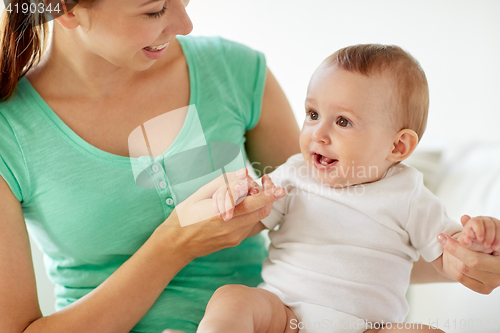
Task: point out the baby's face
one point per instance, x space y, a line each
349 128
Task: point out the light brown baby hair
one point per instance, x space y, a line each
411 97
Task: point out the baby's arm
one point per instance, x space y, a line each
480 234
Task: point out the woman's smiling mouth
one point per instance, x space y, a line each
156 48
155 52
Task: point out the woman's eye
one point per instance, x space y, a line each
157 14
313 115
342 122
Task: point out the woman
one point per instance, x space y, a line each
116 252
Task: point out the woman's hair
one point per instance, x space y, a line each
23 41
411 98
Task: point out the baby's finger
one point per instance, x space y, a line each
267 183
478 227
468 232
229 206
464 219
221 198
242 173
464 240
496 243
241 192
214 203
253 187
240 187
471 234
490 231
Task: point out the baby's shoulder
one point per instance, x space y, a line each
402 175
397 186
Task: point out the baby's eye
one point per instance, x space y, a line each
343 122
313 115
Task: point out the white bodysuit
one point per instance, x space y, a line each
341 257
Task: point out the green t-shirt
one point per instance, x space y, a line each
87 214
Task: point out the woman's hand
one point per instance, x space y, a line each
213 234
477 271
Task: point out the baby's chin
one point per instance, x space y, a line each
332 181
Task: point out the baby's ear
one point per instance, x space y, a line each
403 145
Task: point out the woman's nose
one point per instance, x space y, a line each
179 22
321 134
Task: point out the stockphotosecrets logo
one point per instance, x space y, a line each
179 163
37 12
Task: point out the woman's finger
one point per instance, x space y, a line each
484 268
482 282
475 260
463 276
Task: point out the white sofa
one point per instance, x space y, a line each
466 176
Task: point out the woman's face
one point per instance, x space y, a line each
131 33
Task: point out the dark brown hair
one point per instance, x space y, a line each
411 101
23 41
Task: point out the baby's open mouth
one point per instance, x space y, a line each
323 162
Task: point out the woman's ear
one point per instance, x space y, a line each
68 20
404 143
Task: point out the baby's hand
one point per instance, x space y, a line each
229 194
227 197
480 234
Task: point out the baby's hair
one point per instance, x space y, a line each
411 98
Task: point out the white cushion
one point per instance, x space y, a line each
467 179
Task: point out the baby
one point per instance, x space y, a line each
354 219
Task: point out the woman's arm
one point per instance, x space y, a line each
276 136
125 297
115 306
477 271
